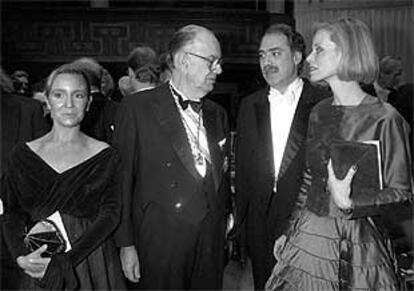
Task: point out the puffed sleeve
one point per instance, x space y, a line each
397 175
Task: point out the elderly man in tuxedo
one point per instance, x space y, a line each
271 131
173 143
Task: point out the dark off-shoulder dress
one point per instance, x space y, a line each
89 199
329 249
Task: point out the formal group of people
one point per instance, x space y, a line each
152 203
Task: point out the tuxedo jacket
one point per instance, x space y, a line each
255 201
99 120
157 162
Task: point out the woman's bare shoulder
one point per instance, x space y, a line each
96 146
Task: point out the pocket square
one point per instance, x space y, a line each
222 143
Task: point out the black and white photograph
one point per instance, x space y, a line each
207 145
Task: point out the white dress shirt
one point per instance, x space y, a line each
196 133
282 110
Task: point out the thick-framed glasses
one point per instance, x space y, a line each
212 64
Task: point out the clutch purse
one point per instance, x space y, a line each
45 232
367 181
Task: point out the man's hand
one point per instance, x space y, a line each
130 263
33 264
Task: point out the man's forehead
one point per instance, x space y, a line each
273 41
209 45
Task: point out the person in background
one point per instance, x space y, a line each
337 241
270 147
165 70
39 95
21 83
21 120
390 71
143 71
385 87
174 148
68 172
99 120
107 84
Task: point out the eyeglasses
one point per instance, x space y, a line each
212 64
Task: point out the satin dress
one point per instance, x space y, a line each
88 197
331 249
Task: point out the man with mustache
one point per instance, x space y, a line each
271 131
174 143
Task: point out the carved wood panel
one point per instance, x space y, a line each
50 34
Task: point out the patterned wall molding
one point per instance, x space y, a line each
53 35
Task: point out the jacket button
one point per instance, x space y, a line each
168 164
173 185
178 205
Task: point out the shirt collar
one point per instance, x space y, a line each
292 92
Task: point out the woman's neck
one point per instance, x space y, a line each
64 135
347 93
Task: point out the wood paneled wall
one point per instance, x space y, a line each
40 38
391 22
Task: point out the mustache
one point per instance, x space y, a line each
270 69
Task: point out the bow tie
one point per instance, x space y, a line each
195 105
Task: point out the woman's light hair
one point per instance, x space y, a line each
66 69
359 60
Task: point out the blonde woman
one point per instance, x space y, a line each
336 242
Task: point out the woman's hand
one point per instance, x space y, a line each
33 264
340 189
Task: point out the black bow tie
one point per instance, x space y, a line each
196 105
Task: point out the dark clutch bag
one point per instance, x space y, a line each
45 232
367 181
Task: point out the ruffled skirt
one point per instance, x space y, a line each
326 253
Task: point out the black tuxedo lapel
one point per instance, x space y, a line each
170 121
265 147
210 124
298 130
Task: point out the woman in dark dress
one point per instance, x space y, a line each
76 175
336 242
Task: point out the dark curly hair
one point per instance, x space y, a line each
295 40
